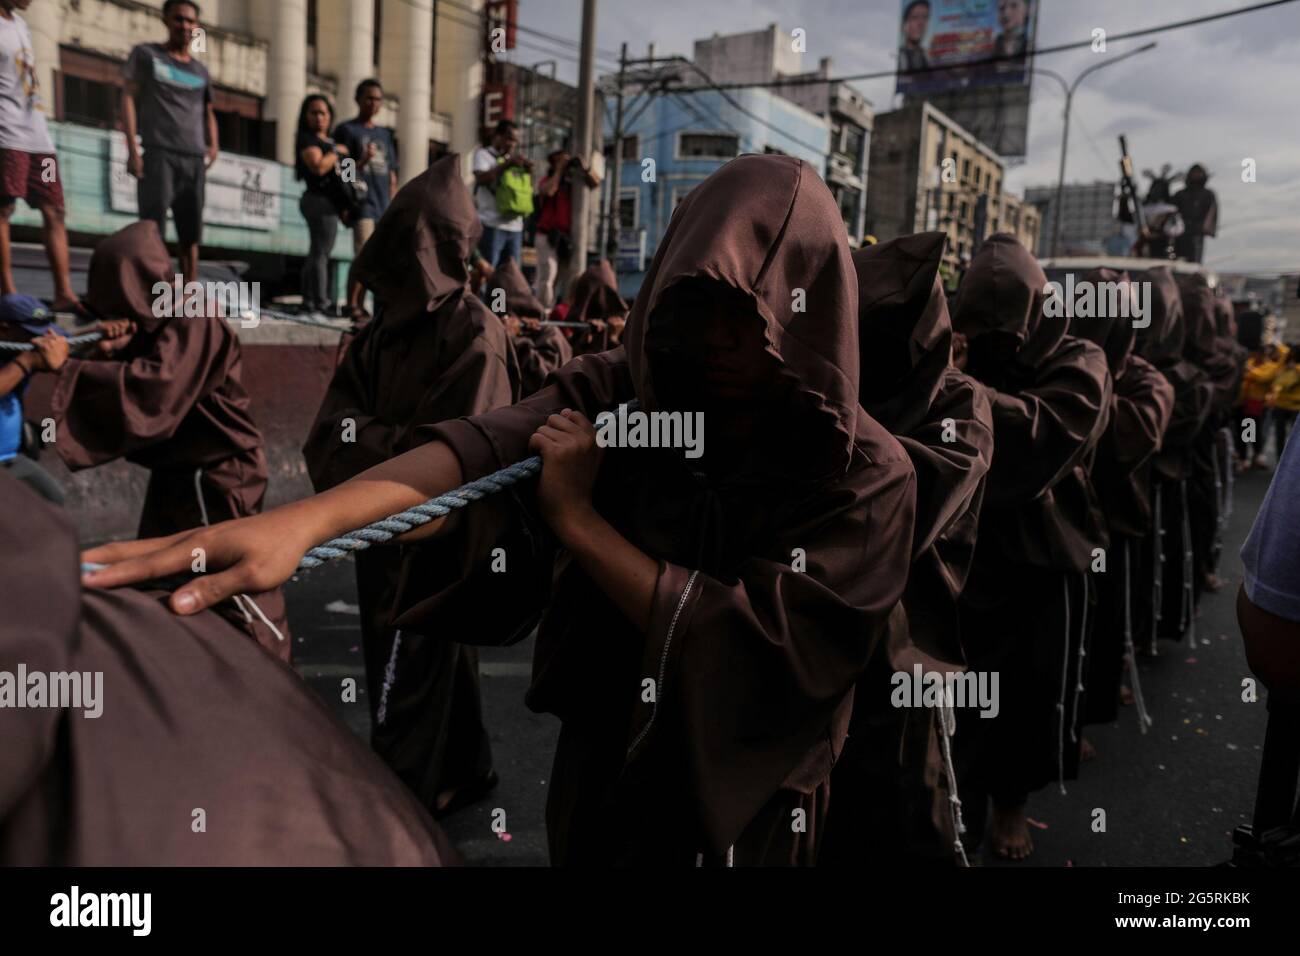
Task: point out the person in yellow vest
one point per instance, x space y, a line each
1284 398
1262 368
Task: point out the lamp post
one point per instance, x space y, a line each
1065 131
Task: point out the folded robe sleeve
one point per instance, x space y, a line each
1044 430
106 409
1143 406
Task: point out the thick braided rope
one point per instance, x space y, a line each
388 528
73 341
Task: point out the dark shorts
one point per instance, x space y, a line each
24 176
173 181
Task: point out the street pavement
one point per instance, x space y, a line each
1171 796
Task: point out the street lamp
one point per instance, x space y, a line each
1065 132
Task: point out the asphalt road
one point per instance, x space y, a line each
1171 796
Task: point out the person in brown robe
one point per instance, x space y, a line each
1141 407
893 793
197 749
705 618
1024 608
539 349
593 297
1166 556
1205 504
432 352
170 400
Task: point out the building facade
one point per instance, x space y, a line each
264 58
769 55
930 174
1087 221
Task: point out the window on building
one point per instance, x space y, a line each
853 139
977 175
965 209
631 148
379 31
708 145
627 208
312 45
965 169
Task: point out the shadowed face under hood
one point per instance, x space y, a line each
124 269
1115 334
1161 342
905 335
1000 311
767 231
1198 317
594 295
519 298
416 256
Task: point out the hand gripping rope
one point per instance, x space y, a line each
73 341
86 338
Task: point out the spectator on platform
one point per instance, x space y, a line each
316 157
502 233
555 219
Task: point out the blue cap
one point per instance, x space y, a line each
28 313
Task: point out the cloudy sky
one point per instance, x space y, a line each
1214 94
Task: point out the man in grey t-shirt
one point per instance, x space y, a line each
168 100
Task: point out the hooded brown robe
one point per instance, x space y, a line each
891 796
1141 407
594 295
205 752
1166 557
717 728
170 401
1025 604
1204 349
432 352
539 351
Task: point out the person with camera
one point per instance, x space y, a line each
503 222
555 220
317 159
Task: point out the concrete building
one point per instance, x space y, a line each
1087 221
1021 218
264 57
928 173
767 55
679 140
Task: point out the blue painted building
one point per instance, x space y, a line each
681 138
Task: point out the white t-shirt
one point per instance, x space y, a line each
22 124
485 198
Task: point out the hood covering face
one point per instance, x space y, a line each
594 294
1161 343
904 333
418 251
1198 317
781 250
1115 334
124 269
519 298
1001 302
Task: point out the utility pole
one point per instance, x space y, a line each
582 138
609 223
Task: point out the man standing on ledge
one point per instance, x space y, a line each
168 99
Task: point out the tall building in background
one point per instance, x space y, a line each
767 56
1087 221
930 174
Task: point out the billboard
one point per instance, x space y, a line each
972 60
941 44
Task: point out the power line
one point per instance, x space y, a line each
1039 51
554 38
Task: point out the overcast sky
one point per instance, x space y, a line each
1213 94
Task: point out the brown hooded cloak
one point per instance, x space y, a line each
433 352
1141 407
707 732
539 351
594 295
1023 610
196 726
171 401
1166 559
889 802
